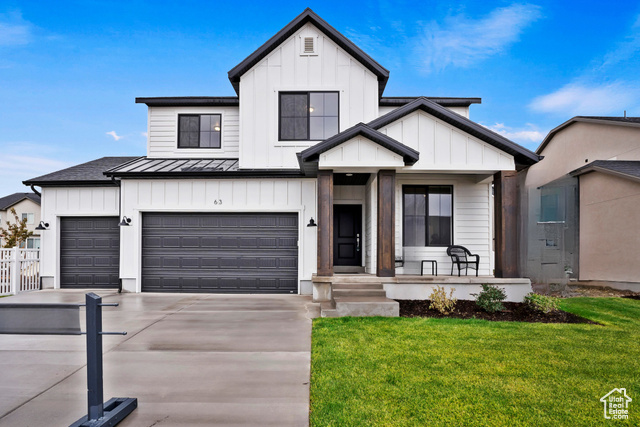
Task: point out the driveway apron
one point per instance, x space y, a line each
190 359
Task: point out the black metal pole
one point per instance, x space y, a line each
94 356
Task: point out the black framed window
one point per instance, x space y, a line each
427 215
199 130
308 115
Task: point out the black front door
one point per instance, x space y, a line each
347 235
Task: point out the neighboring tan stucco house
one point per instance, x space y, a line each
27 206
230 189
583 202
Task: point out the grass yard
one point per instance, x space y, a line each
451 372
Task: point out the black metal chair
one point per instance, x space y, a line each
460 257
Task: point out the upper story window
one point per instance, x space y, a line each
427 215
199 130
308 116
29 217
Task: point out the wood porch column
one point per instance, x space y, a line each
386 223
325 223
506 223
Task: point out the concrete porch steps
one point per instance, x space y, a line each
353 296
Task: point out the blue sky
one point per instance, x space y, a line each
70 70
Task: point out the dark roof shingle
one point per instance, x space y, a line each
10 200
625 168
90 173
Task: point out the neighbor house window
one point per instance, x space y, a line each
427 215
199 130
29 217
552 206
308 116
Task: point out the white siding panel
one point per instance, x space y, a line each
71 201
359 152
163 133
331 69
248 195
445 147
471 222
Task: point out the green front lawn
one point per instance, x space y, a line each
451 372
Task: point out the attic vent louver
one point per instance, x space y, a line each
308 45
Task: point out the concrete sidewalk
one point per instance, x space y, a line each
190 359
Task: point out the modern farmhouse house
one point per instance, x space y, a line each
308 172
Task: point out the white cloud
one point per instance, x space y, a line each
524 136
461 41
115 136
144 134
608 86
577 99
14 30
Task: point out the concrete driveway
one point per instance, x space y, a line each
190 359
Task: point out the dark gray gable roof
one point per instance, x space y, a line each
144 168
305 17
190 101
409 155
629 169
621 121
522 155
399 101
89 174
7 201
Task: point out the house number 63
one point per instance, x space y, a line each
217 202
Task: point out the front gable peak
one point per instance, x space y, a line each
309 16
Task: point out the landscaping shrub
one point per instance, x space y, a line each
490 298
542 303
440 301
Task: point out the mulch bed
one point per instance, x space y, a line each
632 297
513 312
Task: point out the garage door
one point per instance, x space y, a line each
225 253
89 252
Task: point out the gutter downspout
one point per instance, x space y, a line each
35 191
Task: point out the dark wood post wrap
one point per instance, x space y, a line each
386 223
506 223
325 223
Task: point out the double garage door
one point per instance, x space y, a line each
226 253
187 252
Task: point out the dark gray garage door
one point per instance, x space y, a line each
89 252
225 253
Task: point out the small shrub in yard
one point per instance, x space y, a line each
490 298
440 301
542 303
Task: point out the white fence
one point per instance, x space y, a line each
19 270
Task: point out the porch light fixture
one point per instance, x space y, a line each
216 128
125 222
43 226
312 223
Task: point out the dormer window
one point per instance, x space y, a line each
308 116
199 130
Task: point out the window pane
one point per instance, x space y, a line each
300 128
205 123
331 104
293 105
316 128
215 139
316 104
440 213
330 126
205 139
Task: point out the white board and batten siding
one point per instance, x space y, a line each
472 223
287 69
162 137
444 147
359 152
69 201
216 196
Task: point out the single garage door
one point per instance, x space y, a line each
89 252
220 253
